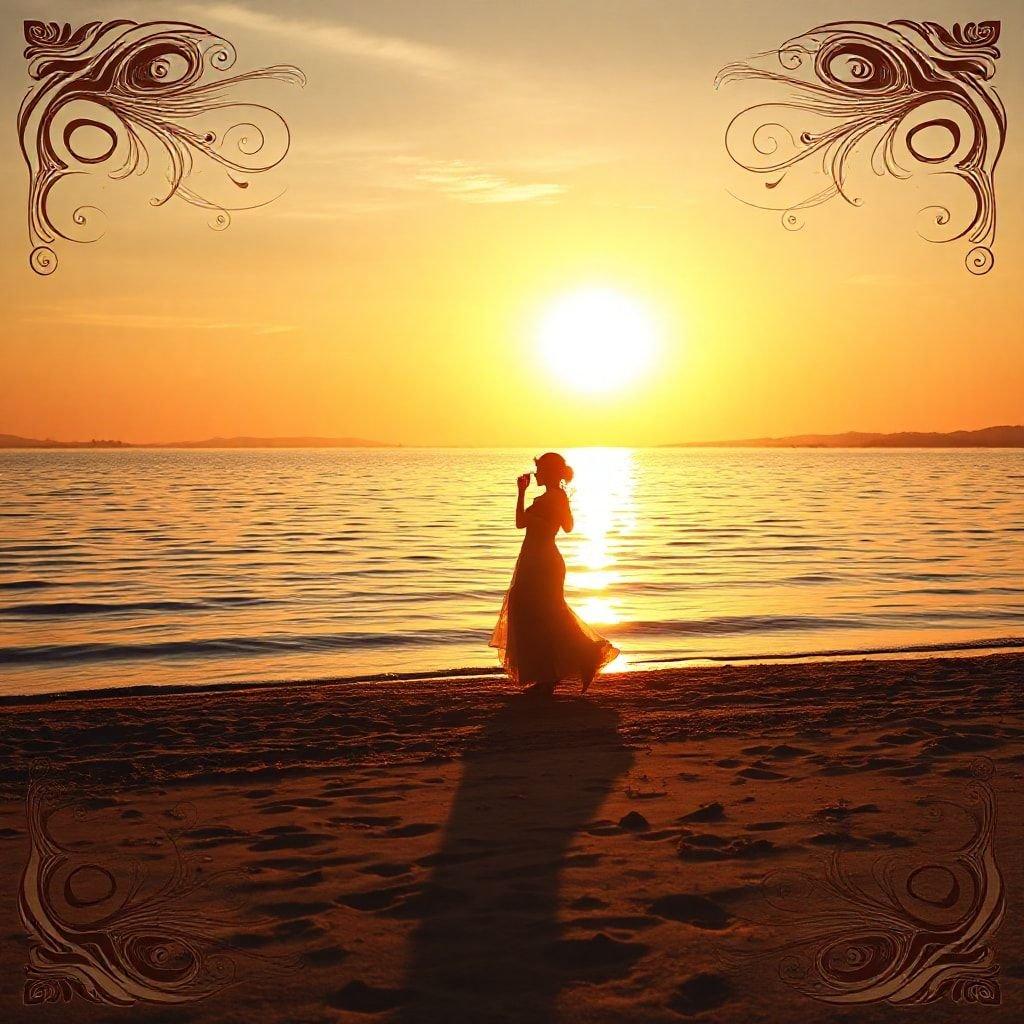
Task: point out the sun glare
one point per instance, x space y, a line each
597 339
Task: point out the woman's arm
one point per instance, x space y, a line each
522 483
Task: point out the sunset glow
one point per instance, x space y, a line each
508 224
597 339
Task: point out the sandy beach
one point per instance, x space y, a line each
446 849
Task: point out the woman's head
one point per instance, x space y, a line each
552 470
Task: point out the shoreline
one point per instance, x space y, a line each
963 649
193 734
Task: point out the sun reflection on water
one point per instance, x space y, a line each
604 511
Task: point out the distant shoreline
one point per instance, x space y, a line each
12 441
987 437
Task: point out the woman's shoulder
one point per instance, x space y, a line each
551 504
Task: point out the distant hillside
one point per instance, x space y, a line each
987 437
13 441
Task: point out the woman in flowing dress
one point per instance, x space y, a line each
542 640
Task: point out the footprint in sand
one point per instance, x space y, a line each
960 743
634 821
358 997
759 772
411 831
300 928
365 820
598 954
706 812
285 806
305 881
374 899
711 847
847 840
700 993
386 869
898 739
689 908
841 811
325 956
588 903
780 752
292 909
839 839
211 836
288 837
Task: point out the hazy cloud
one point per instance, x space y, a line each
336 36
474 185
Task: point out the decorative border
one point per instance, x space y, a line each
860 86
141 89
102 930
921 932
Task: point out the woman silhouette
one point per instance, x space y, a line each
541 639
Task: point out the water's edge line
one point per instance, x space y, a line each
967 648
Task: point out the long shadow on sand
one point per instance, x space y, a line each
488 946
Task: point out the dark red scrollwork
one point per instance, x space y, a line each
864 87
142 89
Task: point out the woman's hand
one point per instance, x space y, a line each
522 482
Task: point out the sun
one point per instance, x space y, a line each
597 339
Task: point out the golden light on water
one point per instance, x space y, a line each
604 511
597 339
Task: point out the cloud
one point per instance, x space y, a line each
473 185
376 177
347 40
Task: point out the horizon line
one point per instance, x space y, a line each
807 439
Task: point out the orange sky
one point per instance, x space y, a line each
455 169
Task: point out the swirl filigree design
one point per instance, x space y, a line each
100 929
904 97
111 95
921 932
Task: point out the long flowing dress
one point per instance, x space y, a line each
541 639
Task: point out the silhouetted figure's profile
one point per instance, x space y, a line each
541 639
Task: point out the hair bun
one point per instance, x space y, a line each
567 474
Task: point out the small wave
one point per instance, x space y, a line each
234 646
747 624
73 608
994 644
725 624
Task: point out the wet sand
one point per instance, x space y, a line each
447 849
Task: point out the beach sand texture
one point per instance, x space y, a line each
448 850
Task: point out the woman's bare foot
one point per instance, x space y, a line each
541 689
